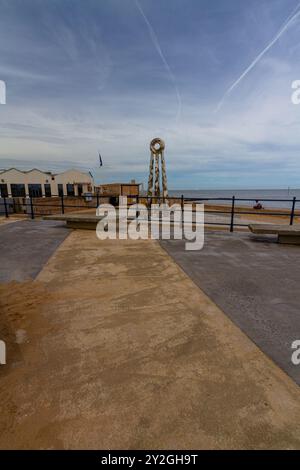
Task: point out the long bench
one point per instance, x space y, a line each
288 234
78 221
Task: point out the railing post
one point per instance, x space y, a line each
62 204
293 211
149 205
97 200
182 206
137 201
31 208
5 206
232 214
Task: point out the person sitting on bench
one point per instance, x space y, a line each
257 205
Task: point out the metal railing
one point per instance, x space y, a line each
234 211
230 210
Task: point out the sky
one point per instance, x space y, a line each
213 78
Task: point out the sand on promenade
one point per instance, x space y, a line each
113 346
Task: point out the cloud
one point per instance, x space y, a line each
286 25
90 81
156 44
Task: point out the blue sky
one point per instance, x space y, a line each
83 75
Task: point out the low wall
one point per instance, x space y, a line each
53 205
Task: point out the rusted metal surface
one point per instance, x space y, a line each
157 160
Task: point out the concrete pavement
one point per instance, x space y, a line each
113 346
255 281
25 247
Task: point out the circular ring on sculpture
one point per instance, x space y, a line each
154 143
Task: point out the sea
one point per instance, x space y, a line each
283 198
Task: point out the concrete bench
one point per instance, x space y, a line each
89 222
78 221
288 234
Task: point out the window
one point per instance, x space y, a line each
47 190
79 189
18 190
35 190
60 190
3 190
70 189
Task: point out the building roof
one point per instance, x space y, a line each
120 184
49 173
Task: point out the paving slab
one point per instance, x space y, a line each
255 281
26 246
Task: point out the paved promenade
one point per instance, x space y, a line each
255 281
25 246
114 346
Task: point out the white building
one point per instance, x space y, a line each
36 183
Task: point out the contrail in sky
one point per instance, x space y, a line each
160 53
291 18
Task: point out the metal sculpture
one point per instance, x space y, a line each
157 147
